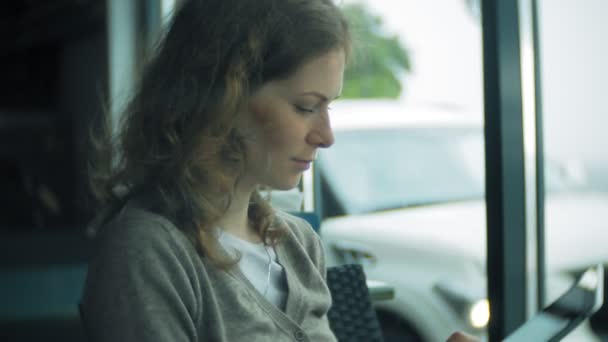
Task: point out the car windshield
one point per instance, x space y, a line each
379 169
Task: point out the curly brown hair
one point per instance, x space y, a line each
177 141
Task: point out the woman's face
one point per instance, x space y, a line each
287 121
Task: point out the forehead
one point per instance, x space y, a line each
322 74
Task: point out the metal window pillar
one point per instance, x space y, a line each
513 239
540 157
122 52
133 28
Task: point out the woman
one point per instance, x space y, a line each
235 99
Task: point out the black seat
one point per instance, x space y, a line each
352 317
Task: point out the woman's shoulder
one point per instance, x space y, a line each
137 229
141 263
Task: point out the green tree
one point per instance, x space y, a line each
378 59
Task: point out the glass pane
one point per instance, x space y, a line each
574 72
403 187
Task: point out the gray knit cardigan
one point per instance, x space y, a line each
147 283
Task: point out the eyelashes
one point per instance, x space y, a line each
304 109
307 110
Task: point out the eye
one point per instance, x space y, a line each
303 109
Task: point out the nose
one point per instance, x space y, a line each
321 134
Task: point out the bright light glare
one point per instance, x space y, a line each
590 280
167 9
479 315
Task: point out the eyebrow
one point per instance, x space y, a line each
319 95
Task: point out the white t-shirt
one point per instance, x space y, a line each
259 264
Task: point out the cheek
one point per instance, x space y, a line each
270 124
262 114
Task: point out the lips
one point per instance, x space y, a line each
303 164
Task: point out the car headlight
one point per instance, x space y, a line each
473 307
479 314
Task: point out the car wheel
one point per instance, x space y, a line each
395 329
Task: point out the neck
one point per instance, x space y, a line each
236 221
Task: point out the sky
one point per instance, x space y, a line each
444 45
444 41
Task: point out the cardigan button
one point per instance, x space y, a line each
299 335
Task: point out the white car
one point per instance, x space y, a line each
403 194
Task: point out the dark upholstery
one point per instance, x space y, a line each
352 317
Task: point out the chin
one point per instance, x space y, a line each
286 184
285 187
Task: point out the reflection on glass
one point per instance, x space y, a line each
411 55
574 116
